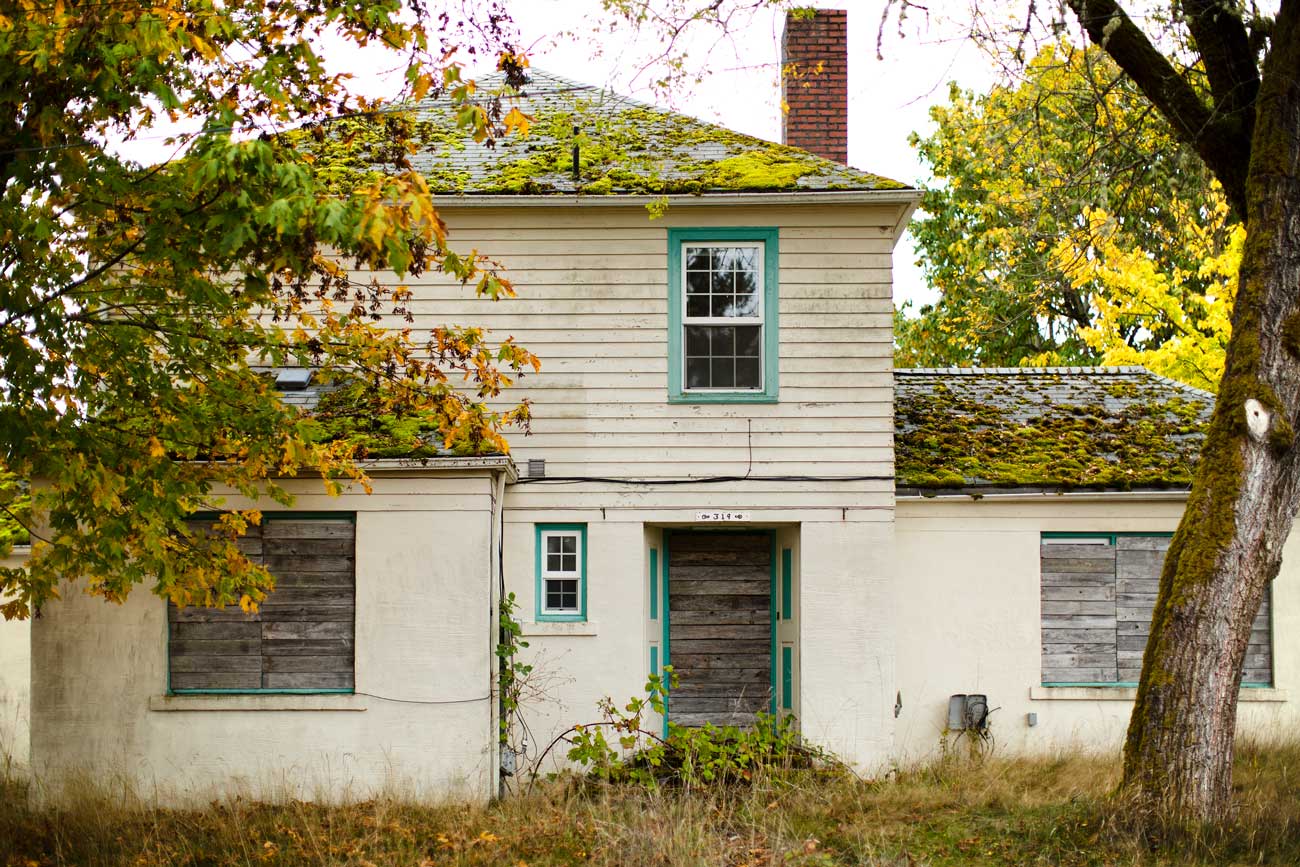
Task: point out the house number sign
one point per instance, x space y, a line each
712 517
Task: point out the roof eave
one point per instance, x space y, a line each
1173 493
907 196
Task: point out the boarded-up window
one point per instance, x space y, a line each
1098 593
301 637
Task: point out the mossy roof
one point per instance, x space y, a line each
956 429
624 147
345 413
1060 428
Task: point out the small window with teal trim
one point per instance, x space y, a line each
722 307
561 572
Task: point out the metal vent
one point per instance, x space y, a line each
537 468
292 378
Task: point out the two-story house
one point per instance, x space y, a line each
710 483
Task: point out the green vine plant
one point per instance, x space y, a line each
512 672
619 748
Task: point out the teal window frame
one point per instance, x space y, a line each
1113 539
542 615
351 517
769 237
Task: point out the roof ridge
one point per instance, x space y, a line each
573 84
607 95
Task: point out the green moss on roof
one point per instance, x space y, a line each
623 147
1090 430
351 414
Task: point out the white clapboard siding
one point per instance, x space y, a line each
592 303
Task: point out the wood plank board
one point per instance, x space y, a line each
301 637
719 617
1095 623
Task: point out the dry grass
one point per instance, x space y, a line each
1004 811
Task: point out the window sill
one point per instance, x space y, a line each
1129 693
254 702
724 397
561 627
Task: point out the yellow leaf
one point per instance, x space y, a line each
517 120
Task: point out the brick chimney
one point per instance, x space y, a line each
815 83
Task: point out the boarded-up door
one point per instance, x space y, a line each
720 626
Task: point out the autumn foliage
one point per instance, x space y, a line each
141 306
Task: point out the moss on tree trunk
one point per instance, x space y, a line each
1178 754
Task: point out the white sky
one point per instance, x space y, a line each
888 99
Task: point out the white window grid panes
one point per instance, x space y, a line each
722 316
561 572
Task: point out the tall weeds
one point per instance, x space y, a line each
1021 811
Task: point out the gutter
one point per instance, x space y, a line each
496 463
496 592
1170 496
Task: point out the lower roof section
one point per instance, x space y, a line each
977 430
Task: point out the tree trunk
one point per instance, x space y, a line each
1178 755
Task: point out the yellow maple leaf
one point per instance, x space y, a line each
517 120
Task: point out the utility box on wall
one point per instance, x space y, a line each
968 712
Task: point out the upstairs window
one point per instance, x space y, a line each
722 315
561 572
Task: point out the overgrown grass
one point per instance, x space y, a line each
1004 811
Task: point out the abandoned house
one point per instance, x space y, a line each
725 474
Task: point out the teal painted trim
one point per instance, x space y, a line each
332 691
787 677
771 608
770 238
665 639
581 614
1132 684
654 659
654 584
1062 534
787 582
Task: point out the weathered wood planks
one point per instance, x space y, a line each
720 627
301 637
1096 604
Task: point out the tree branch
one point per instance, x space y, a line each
1217 139
1224 45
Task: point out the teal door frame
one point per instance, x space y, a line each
665 607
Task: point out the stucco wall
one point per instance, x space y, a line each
968 621
846 629
424 627
15 685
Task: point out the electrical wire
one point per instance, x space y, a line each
423 701
692 480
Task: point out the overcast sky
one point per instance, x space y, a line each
888 98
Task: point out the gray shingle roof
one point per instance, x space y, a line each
1058 427
625 146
